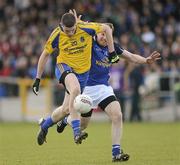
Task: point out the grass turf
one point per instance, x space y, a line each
147 144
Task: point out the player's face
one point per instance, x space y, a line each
69 31
101 39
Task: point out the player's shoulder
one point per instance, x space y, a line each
55 31
83 24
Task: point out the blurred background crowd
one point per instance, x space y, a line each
141 26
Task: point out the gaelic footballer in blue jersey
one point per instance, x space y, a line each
74 42
101 92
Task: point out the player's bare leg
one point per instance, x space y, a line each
113 110
73 87
84 122
59 115
62 111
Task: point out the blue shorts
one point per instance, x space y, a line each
82 78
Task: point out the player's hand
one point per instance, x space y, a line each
113 57
153 57
78 18
35 87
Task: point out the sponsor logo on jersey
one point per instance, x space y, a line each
82 39
104 63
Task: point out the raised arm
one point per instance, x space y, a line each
113 57
139 59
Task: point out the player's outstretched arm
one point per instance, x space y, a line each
139 59
40 68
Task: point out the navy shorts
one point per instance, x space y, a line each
82 78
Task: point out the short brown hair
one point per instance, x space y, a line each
68 20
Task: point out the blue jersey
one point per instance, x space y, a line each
100 65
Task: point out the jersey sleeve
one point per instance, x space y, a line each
119 50
91 28
53 41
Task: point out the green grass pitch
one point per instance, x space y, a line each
147 144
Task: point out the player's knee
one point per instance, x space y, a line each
117 116
75 91
65 110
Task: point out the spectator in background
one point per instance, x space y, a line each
22 25
22 22
32 68
21 67
136 79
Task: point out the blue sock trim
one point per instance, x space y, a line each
76 127
48 123
115 149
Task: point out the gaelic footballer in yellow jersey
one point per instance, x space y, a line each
74 42
75 51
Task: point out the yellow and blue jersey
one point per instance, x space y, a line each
75 51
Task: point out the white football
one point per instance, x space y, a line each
82 103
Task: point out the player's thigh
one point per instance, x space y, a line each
72 83
113 110
67 77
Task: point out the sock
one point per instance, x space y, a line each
48 123
115 149
65 120
76 127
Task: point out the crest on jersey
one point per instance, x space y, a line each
82 39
